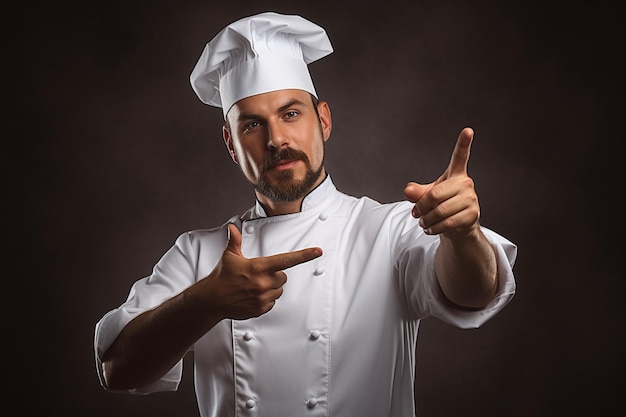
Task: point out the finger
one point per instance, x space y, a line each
457 225
234 240
414 191
418 194
461 152
446 208
286 260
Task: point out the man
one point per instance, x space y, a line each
309 303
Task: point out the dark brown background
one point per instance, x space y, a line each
110 156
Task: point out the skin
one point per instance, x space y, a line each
465 262
261 125
241 288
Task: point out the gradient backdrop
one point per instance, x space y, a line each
110 156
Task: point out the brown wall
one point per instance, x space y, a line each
111 156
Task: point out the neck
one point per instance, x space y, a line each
273 208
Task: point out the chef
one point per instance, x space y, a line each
309 303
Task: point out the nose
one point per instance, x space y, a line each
277 137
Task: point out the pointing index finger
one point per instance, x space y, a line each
288 259
461 152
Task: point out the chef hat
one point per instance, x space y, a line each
258 54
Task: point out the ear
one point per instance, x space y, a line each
228 140
325 119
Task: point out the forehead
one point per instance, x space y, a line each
268 102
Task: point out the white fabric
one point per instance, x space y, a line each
341 340
258 54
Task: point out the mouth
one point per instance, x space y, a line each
284 164
283 160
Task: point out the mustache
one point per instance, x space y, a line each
286 154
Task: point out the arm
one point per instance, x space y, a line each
465 262
237 288
467 270
155 341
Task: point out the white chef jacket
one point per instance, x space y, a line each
340 341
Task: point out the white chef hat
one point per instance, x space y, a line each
258 54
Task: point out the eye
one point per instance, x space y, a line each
250 126
291 114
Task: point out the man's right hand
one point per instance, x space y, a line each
241 288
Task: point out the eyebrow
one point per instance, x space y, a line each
290 103
249 116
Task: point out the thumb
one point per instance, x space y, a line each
414 191
234 240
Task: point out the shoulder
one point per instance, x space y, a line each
376 218
214 237
372 208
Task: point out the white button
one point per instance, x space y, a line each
323 216
315 334
247 336
311 403
250 228
250 403
318 271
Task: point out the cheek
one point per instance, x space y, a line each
249 162
317 153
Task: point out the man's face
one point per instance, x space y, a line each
278 139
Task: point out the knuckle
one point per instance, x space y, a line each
468 182
285 262
263 285
440 209
448 223
257 267
281 277
436 193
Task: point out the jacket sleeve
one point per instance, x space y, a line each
417 281
192 257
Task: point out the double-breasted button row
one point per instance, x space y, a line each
310 403
313 335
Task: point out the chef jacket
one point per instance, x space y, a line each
340 341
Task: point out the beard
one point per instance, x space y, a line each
287 189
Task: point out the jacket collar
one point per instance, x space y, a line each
315 197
